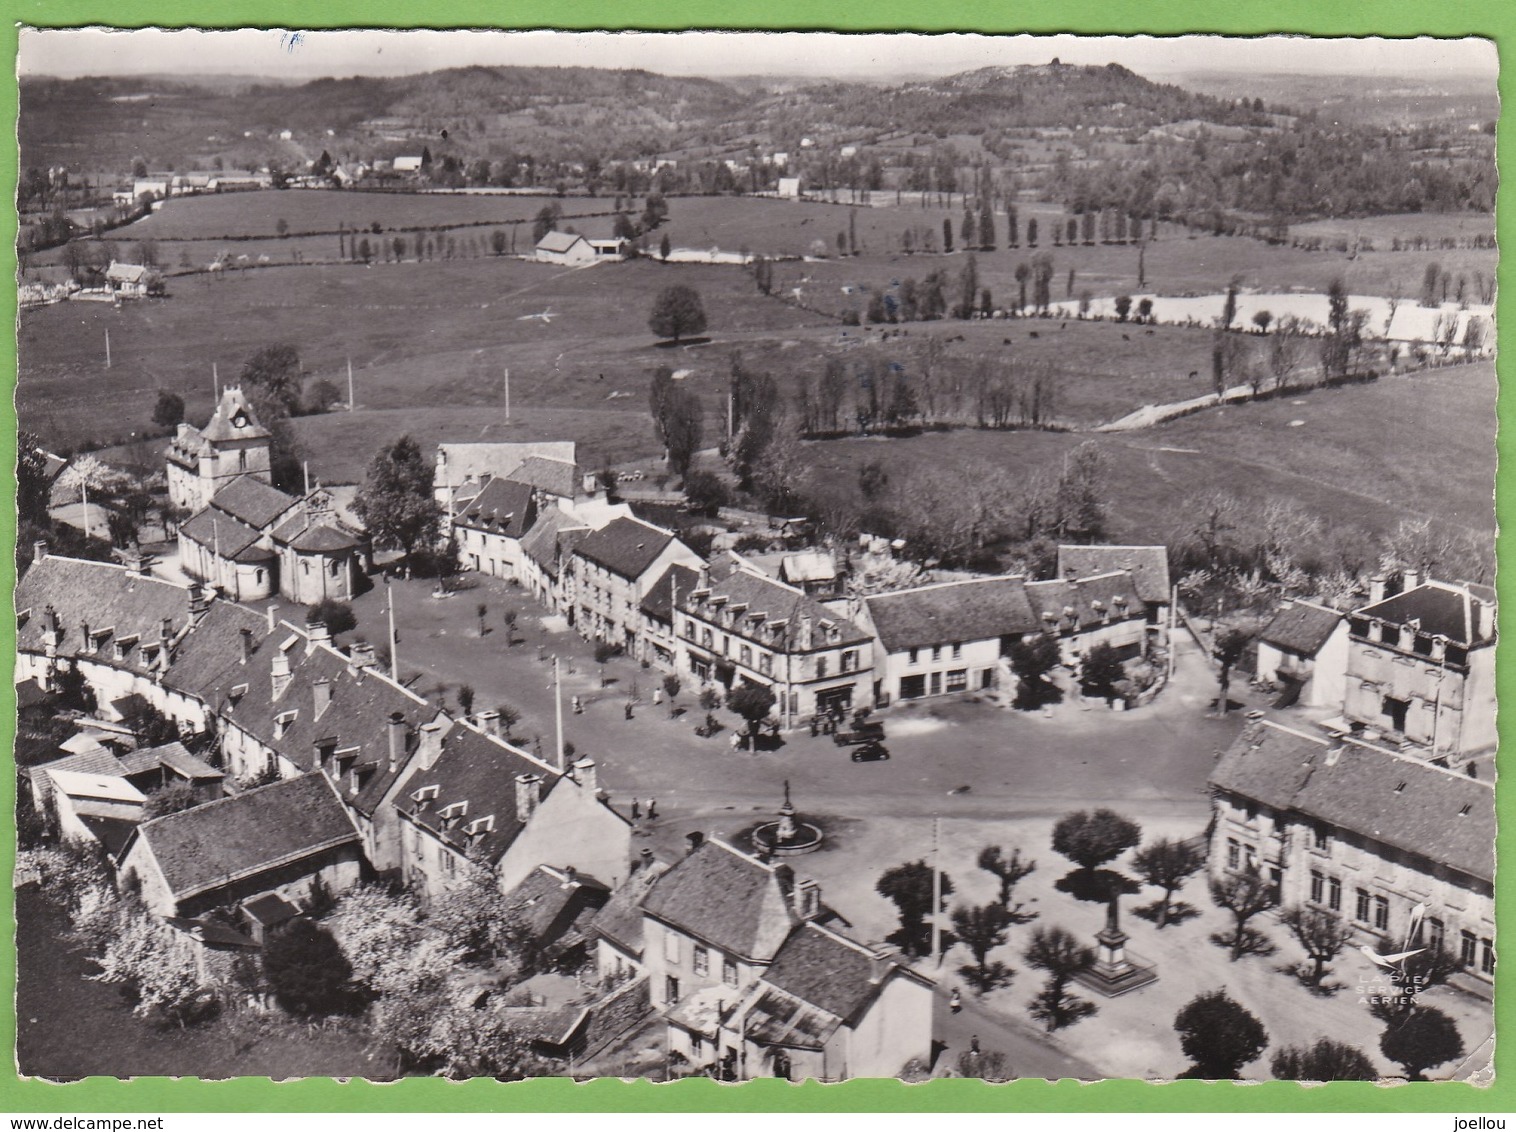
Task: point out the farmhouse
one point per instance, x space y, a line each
128 280
755 977
1421 667
1082 613
409 163
462 468
749 629
613 249
567 248
483 801
283 838
1348 827
789 188
613 569
546 552
1305 650
1148 565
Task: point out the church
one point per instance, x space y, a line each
246 538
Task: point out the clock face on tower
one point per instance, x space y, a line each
239 420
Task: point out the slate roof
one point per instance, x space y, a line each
1114 591
826 970
728 899
1442 608
780 1019
501 506
96 762
126 272
975 610
477 460
209 659
222 534
621 920
558 241
658 602
776 602
1396 800
626 547
553 908
175 757
556 477
252 501
220 426
479 770
104 595
357 715
542 542
299 533
1148 565
1301 627
220 842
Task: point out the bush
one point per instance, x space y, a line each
336 615
307 971
705 493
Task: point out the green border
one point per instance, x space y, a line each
1495 19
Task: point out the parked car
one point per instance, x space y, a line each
861 733
872 751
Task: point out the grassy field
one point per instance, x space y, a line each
1346 462
1383 229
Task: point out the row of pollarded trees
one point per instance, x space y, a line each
1217 1034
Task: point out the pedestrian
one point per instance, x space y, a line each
628 711
955 1002
736 740
636 810
814 728
652 809
974 1046
578 706
657 696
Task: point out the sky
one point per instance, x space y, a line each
315 54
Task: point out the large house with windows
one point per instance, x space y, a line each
756 975
613 569
748 628
1367 833
1421 667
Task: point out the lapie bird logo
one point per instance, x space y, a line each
1394 965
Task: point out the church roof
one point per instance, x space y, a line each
256 503
234 419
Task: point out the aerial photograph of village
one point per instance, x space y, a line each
744 556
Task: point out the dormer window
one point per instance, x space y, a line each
283 722
452 812
424 797
237 692
479 827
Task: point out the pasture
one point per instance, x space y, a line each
1347 461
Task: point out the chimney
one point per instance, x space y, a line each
279 669
646 857
316 634
1287 603
695 839
586 776
137 562
39 550
570 875
1376 589
1485 611
322 690
1336 743
396 733
199 599
806 900
182 430
806 638
429 748
247 645
705 577
86 642
1253 729
1410 580
273 618
360 655
489 722
528 794
51 626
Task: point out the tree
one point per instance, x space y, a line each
752 702
873 480
1228 650
1423 1038
1009 871
1093 839
169 410
498 241
1057 952
307 971
336 615
909 888
545 221
1167 864
1023 273
1031 232
477 919
321 396
664 248
1219 1036
1325 1061
1101 672
275 371
140 954
682 428
169 800
466 699
1123 307
604 651
1322 934
396 502
947 234
1229 308
1261 319
1244 895
982 928
677 313
704 492
1031 661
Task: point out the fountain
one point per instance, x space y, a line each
787 837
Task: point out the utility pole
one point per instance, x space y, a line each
507 393
215 387
107 348
350 385
936 890
558 709
389 592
